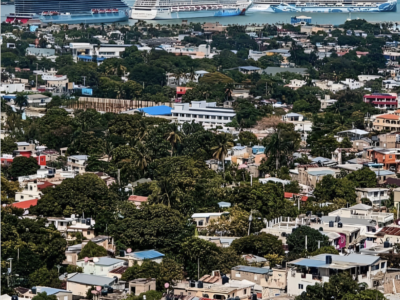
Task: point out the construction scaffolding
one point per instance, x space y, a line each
112 105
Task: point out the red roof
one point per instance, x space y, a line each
290 196
25 204
44 185
380 97
137 198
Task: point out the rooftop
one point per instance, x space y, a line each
252 269
146 254
208 215
338 261
137 198
388 117
94 280
25 204
50 291
161 110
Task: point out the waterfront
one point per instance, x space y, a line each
267 17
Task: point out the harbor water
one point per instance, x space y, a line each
258 17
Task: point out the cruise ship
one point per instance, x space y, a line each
69 11
182 9
324 6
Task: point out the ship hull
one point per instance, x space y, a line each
89 18
167 14
389 6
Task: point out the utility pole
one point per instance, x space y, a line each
306 243
250 219
84 80
119 177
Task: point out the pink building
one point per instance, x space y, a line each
382 101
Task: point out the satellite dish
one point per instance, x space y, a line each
98 288
129 250
166 285
86 259
95 259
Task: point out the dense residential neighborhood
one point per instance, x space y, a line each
200 161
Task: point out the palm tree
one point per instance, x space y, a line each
191 75
21 100
178 75
275 147
224 142
173 137
228 90
142 158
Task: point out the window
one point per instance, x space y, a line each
375 267
245 291
383 265
300 286
22 197
188 115
30 187
61 223
225 118
88 233
201 223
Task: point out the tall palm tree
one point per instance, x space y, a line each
228 90
142 158
178 75
275 147
191 75
224 142
173 137
21 100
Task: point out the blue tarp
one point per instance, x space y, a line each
161 110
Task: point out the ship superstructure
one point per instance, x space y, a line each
175 9
69 11
324 6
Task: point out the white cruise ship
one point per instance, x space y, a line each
182 9
324 6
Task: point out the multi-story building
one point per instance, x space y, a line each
388 122
203 112
77 163
300 125
374 195
318 269
202 220
382 101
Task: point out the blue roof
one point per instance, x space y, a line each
50 291
310 263
90 57
9 97
162 110
252 269
147 254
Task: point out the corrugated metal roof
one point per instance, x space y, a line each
50 291
108 261
321 172
384 173
87 279
358 259
207 215
252 269
147 254
161 110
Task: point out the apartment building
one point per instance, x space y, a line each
77 163
304 127
203 112
202 220
382 101
318 269
376 196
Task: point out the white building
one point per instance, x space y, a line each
374 195
352 84
56 83
302 126
172 80
77 163
318 269
363 78
101 267
103 51
10 88
295 84
203 112
326 102
329 85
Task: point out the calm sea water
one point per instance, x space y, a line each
266 17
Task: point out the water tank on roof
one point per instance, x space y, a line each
122 253
88 221
104 292
321 229
116 279
83 221
253 296
200 284
14 297
337 219
34 290
192 283
331 223
386 245
328 259
225 279
340 225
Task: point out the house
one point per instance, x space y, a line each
10 88
25 205
295 84
352 84
101 266
138 257
160 110
374 195
40 52
77 163
84 226
275 284
30 293
80 283
387 159
72 252
214 27
352 134
38 100
137 200
309 175
329 85
359 212
202 220
382 101
326 102
389 122
273 179
249 69
56 83
253 274
318 269
141 285
202 112
29 191
300 125
88 52
252 259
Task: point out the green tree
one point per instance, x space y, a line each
296 240
21 100
44 296
248 138
261 245
330 188
45 277
23 166
8 190
363 178
224 142
8 145
92 250
173 137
